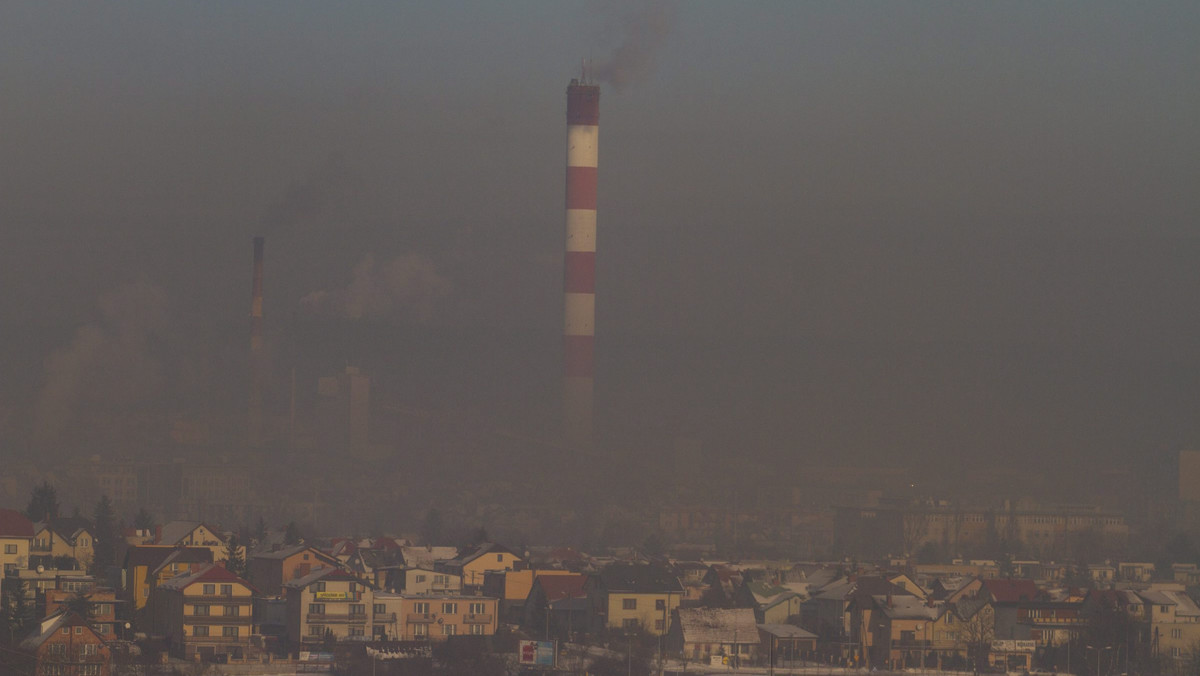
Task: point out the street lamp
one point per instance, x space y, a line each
1108 647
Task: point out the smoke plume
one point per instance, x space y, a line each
407 287
109 364
634 33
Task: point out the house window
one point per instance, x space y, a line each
477 629
79 631
499 558
200 610
232 611
305 557
319 586
229 632
449 608
358 630
200 630
59 649
226 590
419 578
420 630
629 624
89 670
477 608
10 549
379 609
353 587
210 590
450 629
1176 633
421 607
658 625
443 580
316 630
316 609
628 604
660 604
358 609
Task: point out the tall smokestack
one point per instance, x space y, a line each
257 365
579 269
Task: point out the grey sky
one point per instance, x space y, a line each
996 175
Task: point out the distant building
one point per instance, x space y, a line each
1189 476
344 411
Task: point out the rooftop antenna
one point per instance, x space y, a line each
583 70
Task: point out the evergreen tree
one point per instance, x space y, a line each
43 504
18 613
234 561
105 541
143 519
291 535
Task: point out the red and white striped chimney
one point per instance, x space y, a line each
257 365
579 270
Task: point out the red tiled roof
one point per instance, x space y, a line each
14 524
1011 591
562 586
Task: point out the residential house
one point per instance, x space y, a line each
773 604
101 605
630 596
785 644
270 571
1174 622
1007 597
1132 571
701 633
512 588
902 631
327 601
64 537
145 566
432 617
425 581
1049 623
472 565
194 534
427 556
205 614
840 614
64 645
557 605
16 535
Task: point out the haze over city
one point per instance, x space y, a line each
940 236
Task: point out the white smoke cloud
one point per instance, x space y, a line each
109 363
407 287
634 33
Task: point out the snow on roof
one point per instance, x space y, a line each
718 625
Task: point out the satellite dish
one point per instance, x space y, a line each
41 568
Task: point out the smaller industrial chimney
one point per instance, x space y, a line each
257 359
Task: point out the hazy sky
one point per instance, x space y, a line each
988 176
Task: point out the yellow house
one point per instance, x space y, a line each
630 597
205 613
328 601
432 617
194 534
148 565
486 558
16 533
69 537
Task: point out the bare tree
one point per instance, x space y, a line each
915 528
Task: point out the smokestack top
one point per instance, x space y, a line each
583 103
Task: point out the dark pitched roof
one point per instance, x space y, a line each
639 579
486 548
14 524
152 556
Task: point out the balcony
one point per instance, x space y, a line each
199 640
478 618
219 599
326 618
217 619
384 617
419 618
